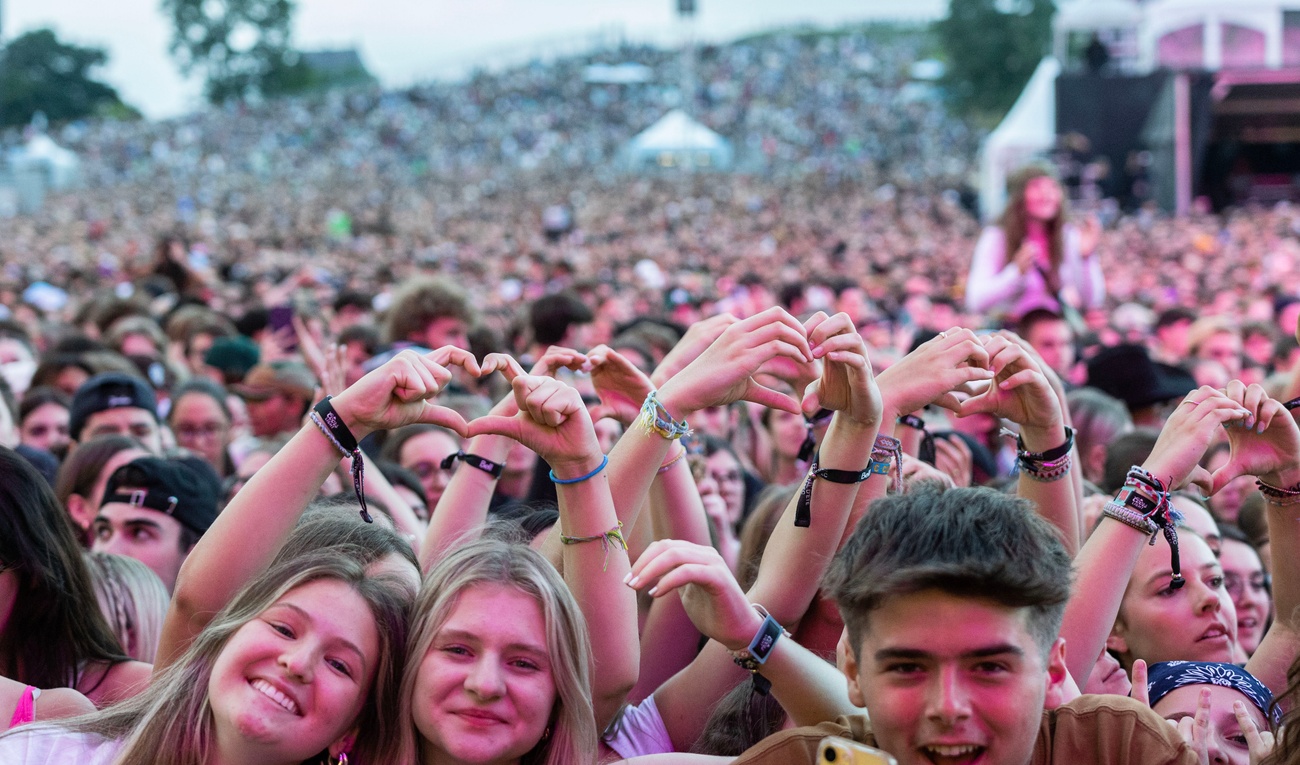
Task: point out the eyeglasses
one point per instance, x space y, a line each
1236 586
207 430
426 469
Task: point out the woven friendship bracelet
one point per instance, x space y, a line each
654 418
886 449
613 536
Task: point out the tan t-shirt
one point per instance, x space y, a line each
1097 730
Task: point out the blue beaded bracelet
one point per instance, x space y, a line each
604 460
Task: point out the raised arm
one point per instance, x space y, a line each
1105 564
927 375
796 556
462 509
1020 392
553 422
1268 447
246 536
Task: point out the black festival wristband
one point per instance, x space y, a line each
338 428
493 469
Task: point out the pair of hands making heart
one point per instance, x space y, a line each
549 416
966 373
1263 439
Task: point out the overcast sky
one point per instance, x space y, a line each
404 41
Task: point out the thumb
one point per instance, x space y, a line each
600 411
495 425
447 418
812 399
1221 477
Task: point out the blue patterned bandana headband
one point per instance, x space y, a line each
1169 675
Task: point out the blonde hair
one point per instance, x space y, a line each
171 721
133 600
494 562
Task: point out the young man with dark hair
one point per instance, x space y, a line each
1051 335
114 403
155 510
952 602
559 319
430 313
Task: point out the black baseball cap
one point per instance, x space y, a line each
186 488
111 390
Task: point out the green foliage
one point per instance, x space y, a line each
241 46
38 73
992 48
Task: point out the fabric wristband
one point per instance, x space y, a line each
803 511
473 460
337 427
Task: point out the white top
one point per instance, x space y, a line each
995 284
640 731
52 745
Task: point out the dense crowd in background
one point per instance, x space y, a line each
644 377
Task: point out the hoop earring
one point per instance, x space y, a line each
546 734
342 759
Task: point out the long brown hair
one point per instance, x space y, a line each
56 631
1015 222
171 721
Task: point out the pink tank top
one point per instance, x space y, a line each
26 711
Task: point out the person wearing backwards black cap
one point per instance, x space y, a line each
155 510
115 404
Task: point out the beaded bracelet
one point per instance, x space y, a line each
328 421
654 418
613 536
664 468
1278 496
1047 466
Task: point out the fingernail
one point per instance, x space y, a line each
632 581
653 591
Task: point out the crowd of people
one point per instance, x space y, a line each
395 427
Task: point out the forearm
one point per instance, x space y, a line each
1280 646
633 463
594 572
675 640
463 508
1102 572
245 537
796 557
811 690
1054 500
676 513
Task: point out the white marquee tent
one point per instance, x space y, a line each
676 140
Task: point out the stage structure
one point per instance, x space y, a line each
1171 101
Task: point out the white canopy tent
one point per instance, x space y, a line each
1028 131
59 167
676 140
